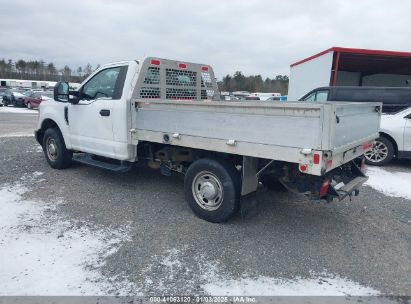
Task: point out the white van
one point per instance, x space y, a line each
265 96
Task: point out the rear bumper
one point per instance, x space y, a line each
350 188
345 181
339 183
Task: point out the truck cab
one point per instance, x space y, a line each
99 108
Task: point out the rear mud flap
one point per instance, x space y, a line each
248 205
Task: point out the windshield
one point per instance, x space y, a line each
389 109
402 112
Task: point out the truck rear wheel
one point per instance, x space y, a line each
55 149
381 153
212 189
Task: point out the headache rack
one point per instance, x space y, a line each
175 80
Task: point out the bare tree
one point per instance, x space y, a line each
21 67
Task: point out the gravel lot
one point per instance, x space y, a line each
152 244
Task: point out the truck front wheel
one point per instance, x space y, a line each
212 189
55 149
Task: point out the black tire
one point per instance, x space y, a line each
226 183
374 158
57 156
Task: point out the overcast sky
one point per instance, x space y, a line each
257 37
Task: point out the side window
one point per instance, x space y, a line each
322 95
102 84
310 97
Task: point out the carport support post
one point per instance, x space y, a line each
335 71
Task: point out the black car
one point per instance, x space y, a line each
252 98
394 99
2 93
13 97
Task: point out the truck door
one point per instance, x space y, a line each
91 120
407 133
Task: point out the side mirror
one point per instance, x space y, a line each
62 93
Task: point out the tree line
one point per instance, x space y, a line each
41 70
254 83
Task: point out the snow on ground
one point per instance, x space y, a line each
9 109
17 134
397 184
34 149
44 254
322 285
215 282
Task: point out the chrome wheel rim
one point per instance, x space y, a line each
51 148
207 191
378 152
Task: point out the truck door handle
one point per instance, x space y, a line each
105 112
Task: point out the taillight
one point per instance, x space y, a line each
204 68
316 159
155 61
182 65
324 188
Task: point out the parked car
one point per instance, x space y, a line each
13 97
393 99
274 98
34 99
394 140
252 98
265 96
2 93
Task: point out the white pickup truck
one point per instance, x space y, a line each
167 114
